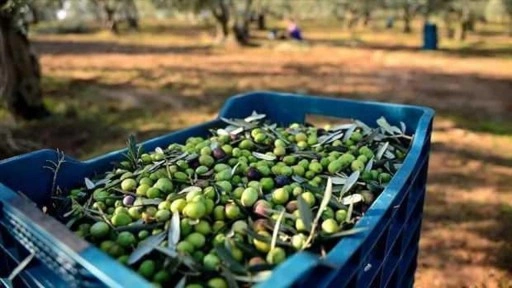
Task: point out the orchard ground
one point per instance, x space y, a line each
101 88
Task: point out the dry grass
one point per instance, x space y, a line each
102 87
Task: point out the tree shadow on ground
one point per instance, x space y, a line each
51 47
468 51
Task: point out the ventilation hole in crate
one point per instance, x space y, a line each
7 239
413 238
376 281
380 247
352 282
401 213
408 276
396 247
393 281
4 264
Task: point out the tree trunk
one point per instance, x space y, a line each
221 14
366 18
352 19
20 85
228 21
132 15
111 19
407 19
461 30
222 33
261 21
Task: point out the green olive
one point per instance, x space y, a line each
232 211
194 210
249 197
330 226
280 196
276 256
211 262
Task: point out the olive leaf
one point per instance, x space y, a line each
298 179
182 282
341 127
338 180
369 165
89 184
255 116
230 277
275 232
403 127
365 127
246 248
146 247
350 182
352 199
389 155
262 156
237 122
349 213
159 150
228 260
383 123
254 278
325 202
305 213
72 221
173 236
326 138
352 231
134 152
145 202
233 170
167 251
237 131
381 151
349 132
336 137
222 132
190 189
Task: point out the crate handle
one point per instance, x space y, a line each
23 264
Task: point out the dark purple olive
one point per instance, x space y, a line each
253 174
194 163
218 153
128 200
234 137
320 131
282 180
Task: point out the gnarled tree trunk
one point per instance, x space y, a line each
407 18
229 24
20 86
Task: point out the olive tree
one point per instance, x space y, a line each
232 17
20 75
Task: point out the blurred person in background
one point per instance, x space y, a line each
293 30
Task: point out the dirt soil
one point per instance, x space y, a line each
156 85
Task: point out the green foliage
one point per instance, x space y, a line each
498 10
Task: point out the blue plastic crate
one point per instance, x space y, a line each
384 255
